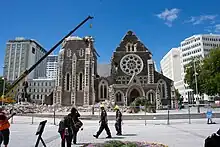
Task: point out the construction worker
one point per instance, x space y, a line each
104 123
118 120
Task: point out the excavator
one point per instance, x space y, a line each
11 93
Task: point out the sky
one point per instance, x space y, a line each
159 24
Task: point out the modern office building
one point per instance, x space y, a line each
197 47
171 65
171 68
20 55
51 71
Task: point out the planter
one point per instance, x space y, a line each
115 143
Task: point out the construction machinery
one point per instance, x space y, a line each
12 90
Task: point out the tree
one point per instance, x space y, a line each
179 98
211 72
190 76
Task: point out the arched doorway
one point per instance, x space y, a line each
133 95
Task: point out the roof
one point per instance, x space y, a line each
27 40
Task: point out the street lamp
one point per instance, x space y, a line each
195 74
3 93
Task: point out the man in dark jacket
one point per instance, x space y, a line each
118 120
77 123
213 140
104 123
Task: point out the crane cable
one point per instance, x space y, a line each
95 8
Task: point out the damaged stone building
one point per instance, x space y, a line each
131 74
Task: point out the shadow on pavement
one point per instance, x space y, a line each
113 138
129 135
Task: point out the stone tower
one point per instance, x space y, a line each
76 69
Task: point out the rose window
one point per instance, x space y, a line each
131 64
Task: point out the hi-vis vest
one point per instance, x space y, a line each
4 124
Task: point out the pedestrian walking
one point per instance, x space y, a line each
103 123
68 126
118 120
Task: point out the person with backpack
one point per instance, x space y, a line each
77 124
104 123
68 128
118 120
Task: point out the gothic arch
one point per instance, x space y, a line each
161 92
67 81
133 91
103 90
80 81
119 96
151 96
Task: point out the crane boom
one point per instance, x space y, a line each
12 88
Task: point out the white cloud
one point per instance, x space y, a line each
211 29
217 28
195 20
169 16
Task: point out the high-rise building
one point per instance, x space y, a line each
20 55
51 71
197 47
170 65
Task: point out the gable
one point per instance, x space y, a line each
131 43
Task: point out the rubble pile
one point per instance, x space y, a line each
26 107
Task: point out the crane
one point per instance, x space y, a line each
11 92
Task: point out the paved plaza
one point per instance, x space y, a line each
178 134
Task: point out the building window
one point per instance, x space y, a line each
80 81
81 52
68 53
118 97
103 89
67 81
33 50
162 89
150 97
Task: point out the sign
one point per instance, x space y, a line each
39 132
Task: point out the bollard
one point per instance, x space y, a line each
168 116
12 120
189 114
32 119
54 117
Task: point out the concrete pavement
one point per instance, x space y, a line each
178 134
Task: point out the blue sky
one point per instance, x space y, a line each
160 24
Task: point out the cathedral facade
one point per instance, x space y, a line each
131 75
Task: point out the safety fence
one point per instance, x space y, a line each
187 115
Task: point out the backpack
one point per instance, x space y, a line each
61 127
78 124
